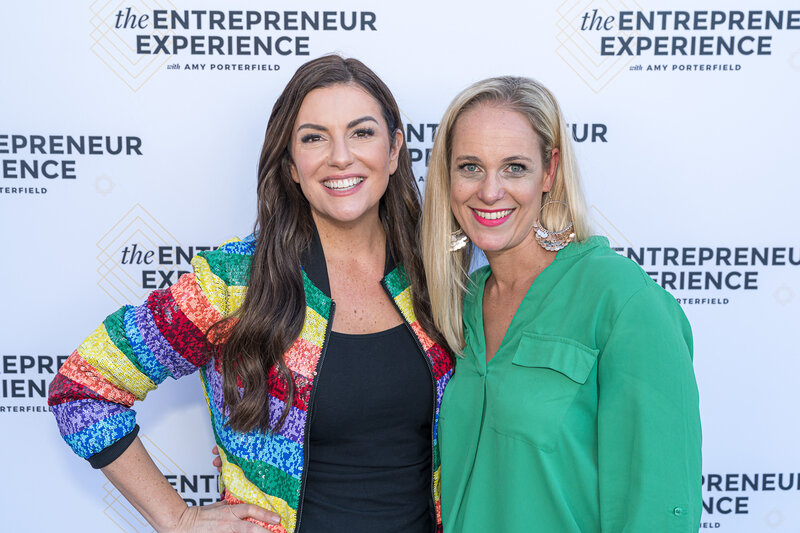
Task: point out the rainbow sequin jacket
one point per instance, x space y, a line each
136 348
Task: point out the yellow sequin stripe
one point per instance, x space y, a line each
403 301
314 327
244 490
225 299
103 355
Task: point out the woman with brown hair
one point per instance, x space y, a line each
314 339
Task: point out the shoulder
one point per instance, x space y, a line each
606 275
230 262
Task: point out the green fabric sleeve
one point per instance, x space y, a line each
649 438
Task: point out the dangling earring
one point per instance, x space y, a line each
458 240
553 240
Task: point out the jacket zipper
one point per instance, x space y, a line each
433 388
307 430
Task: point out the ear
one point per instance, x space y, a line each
551 171
394 151
293 170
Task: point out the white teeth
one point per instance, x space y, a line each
342 184
493 215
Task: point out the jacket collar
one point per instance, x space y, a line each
313 263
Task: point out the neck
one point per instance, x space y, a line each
352 240
520 265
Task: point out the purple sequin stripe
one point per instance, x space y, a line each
161 349
74 417
293 427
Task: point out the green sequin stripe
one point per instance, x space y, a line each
115 326
233 269
396 281
316 299
270 480
436 460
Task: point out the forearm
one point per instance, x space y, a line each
136 476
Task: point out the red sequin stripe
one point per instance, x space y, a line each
230 499
277 388
440 361
63 390
184 337
82 373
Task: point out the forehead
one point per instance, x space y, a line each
335 104
492 130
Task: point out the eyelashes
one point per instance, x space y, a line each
512 168
360 133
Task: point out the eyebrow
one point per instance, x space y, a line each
505 159
351 124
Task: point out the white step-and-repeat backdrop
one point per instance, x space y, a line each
129 137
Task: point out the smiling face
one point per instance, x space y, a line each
497 177
343 153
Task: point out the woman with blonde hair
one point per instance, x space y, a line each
573 407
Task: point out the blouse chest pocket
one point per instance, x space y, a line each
539 387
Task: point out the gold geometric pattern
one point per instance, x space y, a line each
116 47
123 283
581 49
122 513
601 222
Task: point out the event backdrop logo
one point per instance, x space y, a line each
135 39
31 163
704 275
600 39
24 381
138 255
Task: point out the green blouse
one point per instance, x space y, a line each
586 419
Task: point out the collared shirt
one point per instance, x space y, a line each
587 417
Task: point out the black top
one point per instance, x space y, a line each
370 465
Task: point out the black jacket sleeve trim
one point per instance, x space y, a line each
108 455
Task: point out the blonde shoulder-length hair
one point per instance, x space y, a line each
447 272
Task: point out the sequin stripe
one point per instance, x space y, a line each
101 435
193 303
404 302
302 356
315 298
103 355
314 327
82 373
274 450
184 337
230 499
148 362
63 389
225 299
270 480
238 486
235 246
74 417
437 493
277 388
115 328
440 361
292 428
424 340
396 281
231 268
158 345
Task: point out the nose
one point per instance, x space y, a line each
340 155
491 189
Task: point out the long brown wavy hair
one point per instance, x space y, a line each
272 314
